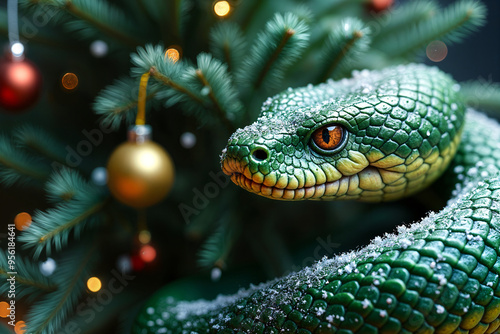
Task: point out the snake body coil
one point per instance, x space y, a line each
379 136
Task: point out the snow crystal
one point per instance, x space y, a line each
320 311
405 243
365 303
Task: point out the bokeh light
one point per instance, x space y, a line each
94 284
173 54
4 311
19 328
99 48
22 221
48 267
222 8
69 81
147 253
436 51
144 236
17 49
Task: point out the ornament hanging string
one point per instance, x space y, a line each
16 47
141 103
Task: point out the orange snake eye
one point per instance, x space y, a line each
328 137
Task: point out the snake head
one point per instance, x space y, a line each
380 135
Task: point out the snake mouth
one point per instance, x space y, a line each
346 187
321 191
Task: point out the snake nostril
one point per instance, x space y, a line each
259 154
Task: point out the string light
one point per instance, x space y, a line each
69 81
48 267
147 253
99 176
22 221
436 51
19 328
188 140
4 309
17 49
173 54
99 48
222 8
144 236
94 284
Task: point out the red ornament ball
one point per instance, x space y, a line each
379 5
20 83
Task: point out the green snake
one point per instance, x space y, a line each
380 135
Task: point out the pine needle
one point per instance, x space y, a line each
347 41
214 83
51 229
29 280
482 94
217 247
276 48
68 184
89 18
166 72
49 314
15 165
41 142
450 26
403 17
228 44
118 102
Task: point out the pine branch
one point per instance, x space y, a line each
152 59
15 165
67 184
404 16
198 90
29 281
214 80
50 313
449 25
276 48
347 41
217 247
91 17
228 44
41 142
482 94
52 228
118 102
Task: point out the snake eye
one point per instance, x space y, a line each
328 138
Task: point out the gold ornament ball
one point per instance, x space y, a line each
140 174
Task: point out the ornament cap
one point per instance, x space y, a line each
139 133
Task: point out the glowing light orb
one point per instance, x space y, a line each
4 311
69 81
436 51
48 267
17 49
22 221
222 8
173 54
94 284
19 328
144 236
147 253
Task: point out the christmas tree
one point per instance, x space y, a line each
93 231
